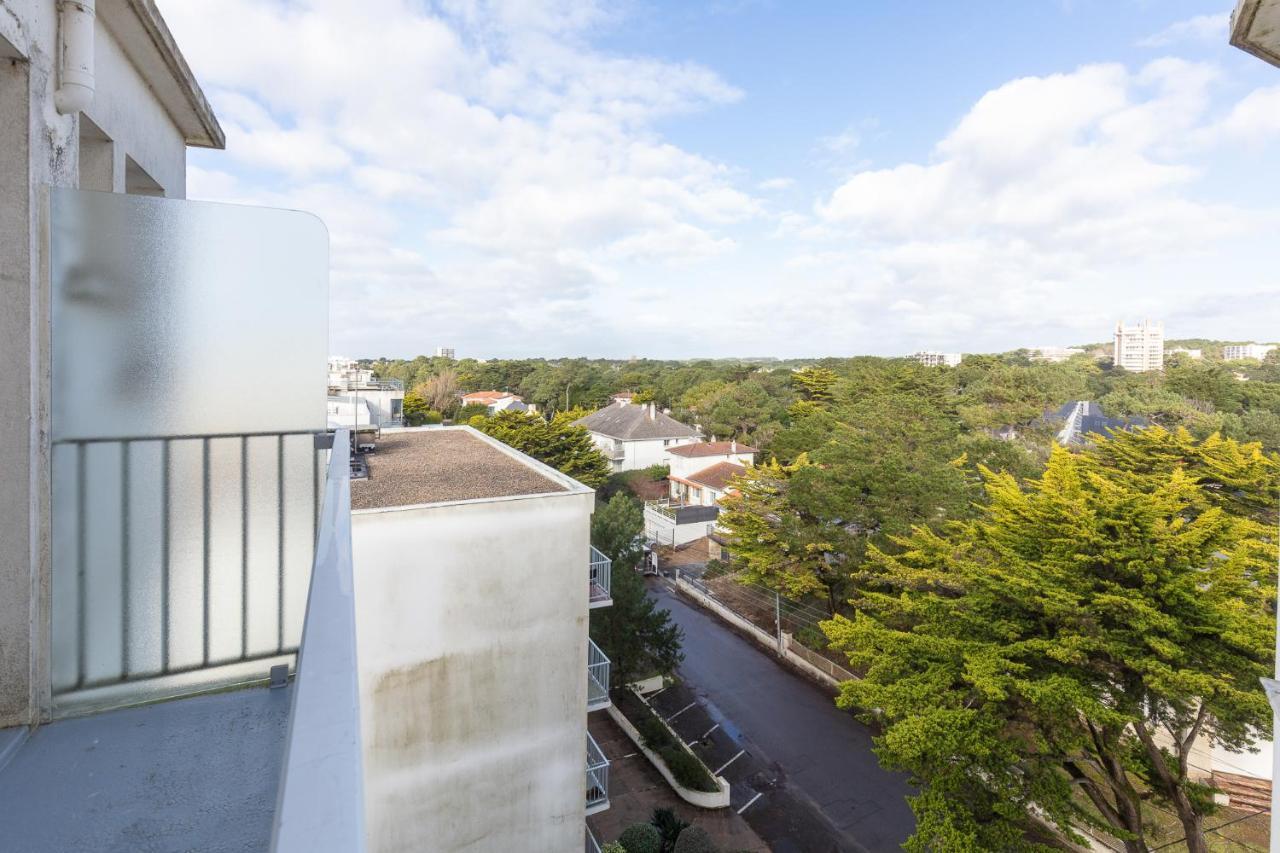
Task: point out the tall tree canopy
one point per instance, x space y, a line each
1077 636
637 637
558 443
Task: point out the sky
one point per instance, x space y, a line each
550 178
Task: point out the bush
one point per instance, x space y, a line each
687 769
641 838
669 826
432 417
694 839
657 472
613 847
471 410
655 735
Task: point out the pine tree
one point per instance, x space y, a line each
1076 637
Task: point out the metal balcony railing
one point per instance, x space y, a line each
593 846
597 677
597 778
180 562
663 507
600 568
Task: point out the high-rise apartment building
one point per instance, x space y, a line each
445 352
1140 347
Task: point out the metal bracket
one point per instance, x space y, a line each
279 676
323 440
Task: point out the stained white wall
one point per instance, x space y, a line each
472 637
38 148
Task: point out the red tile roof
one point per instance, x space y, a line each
710 448
717 476
488 396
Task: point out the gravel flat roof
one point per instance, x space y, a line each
437 465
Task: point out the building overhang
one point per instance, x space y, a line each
146 40
1255 28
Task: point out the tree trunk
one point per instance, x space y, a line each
1191 820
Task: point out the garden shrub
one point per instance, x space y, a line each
694 839
687 769
641 838
669 825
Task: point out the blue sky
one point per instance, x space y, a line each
551 178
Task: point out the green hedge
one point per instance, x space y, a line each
687 769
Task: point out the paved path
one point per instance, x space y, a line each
799 746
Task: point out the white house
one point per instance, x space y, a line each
354 387
497 401
700 473
635 437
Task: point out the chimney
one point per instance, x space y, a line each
733 446
653 410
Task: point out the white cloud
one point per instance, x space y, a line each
1046 189
1202 28
493 180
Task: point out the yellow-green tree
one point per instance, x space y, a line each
1063 651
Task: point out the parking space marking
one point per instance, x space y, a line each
758 795
741 753
681 711
709 731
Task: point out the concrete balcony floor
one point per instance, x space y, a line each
191 774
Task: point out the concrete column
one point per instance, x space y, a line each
15 390
102 165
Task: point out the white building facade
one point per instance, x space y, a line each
930 358
635 437
471 613
1139 347
116 116
1244 352
1055 354
353 390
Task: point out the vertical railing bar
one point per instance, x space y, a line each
244 546
204 476
280 543
82 638
166 519
126 628
315 496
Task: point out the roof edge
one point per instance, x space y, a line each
1243 37
184 100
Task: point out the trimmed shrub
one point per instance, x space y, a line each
641 838
432 417
655 735
694 839
613 847
688 770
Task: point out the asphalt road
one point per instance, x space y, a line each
802 753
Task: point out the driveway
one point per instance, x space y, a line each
820 784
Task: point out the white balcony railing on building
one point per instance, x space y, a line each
321 799
593 846
597 778
600 572
597 677
663 507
